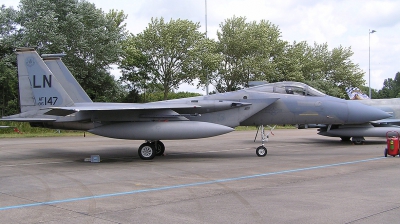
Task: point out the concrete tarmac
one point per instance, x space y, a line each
305 178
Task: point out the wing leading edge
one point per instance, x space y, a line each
64 111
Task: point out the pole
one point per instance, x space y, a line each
369 63
205 1
369 60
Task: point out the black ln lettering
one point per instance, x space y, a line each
45 80
34 82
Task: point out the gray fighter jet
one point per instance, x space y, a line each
378 128
50 98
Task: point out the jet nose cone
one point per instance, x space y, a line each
360 113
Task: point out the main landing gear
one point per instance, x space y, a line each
358 140
261 151
355 140
149 150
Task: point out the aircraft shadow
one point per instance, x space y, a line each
125 154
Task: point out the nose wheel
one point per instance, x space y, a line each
261 151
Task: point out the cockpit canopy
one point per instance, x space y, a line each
295 88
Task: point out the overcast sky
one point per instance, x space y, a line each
335 22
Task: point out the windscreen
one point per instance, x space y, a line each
295 88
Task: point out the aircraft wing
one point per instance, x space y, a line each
95 107
64 111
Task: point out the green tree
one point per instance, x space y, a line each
290 65
8 83
391 87
330 70
134 66
375 94
90 38
341 71
157 96
254 51
249 51
209 60
8 71
9 25
165 53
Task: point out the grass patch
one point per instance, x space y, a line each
33 135
26 131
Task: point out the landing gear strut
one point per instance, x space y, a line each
261 151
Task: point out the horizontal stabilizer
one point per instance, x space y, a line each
21 119
6 127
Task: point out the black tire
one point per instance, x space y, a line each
358 142
345 139
261 151
385 153
160 148
147 151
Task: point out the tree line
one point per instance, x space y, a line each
166 54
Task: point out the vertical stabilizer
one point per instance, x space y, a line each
355 93
66 79
39 88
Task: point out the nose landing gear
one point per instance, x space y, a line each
261 151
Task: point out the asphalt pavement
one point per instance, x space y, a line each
305 178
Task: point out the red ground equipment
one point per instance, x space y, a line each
392 143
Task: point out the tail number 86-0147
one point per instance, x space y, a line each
52 100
